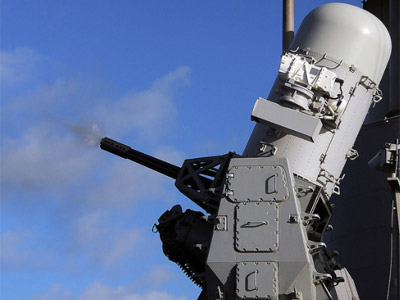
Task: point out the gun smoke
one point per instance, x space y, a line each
91 135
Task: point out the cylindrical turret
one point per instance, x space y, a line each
326 83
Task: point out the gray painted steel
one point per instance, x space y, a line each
321 161
358 72
286 119
268 213
267 234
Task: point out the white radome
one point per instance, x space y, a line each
346 32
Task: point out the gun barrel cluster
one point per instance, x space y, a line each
148 161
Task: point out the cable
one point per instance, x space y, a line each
391 250
326 290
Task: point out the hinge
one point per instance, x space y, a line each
331 178
377 97
268 148
352 154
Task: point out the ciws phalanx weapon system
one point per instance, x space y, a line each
267 210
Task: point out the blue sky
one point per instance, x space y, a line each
175 79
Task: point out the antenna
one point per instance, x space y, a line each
287 24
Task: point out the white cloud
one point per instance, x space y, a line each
54 292
17 66
100 291
124 183
160 274
98 239
102 241
42 160
149 113
170 154
90 186
14 251
27 250
45 156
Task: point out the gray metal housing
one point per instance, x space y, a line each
259 248
320 159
